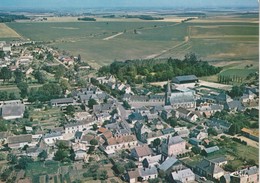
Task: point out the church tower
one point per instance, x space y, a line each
168 93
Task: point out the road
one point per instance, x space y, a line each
113 36
61 63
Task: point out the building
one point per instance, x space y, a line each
79 126
152 161
173 146
148 173
210 150
51 138
185 79
62 102
12 111
184 176
221 125
132 176
141 152
209 169
186 114
185 98
250 174
19 141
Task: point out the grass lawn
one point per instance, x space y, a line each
39 168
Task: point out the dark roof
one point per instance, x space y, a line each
148 171
209 167
175 140
235 104
136 116
167 131
78 134
220 122
183 110
185 78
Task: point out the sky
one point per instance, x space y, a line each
59 4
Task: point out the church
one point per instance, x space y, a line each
180 98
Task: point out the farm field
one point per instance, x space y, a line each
216 39
7 33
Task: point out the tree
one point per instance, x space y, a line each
5 74
70 109
3 95
103 175
24 161
12 96
11 158
59 72
91 103
43 155
119 168
94 126
23 87
234 129
126 105
64 84
196 150
130 165
26 114
93 142
212 131
61 155
91 149
157 142
40 77
18 75
171 121
2 54
49 57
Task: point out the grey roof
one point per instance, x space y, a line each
148 171
194 140
185 78
175 140
138 98
211 149
62 100
223 97
248 171
219 160
19 139
53 134
156 97
182 97
168 163
182 174
235 104
220 122
13 110
209 167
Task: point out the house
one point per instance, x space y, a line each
185 79
148 173
132 176
221 161
209 109
234 105
12 111
152 161
194 141
252 134
250 174
51 138
222 125
210 150
62 102
80 155
141 152
185 99
134 117
209 169
199 134
120 142
182 131
19 141
79 126
223 98
142 131
248 97
173 146
170 163
183 176
186 114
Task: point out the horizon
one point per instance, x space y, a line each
87 4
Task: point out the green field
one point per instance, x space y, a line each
212 41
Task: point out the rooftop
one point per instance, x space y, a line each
19 139
143 150
182 174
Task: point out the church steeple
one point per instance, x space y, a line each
168 93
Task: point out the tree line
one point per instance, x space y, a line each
152 70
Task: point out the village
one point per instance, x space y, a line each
66 124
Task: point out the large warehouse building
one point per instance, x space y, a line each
185 79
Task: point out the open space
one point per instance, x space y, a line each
215 38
